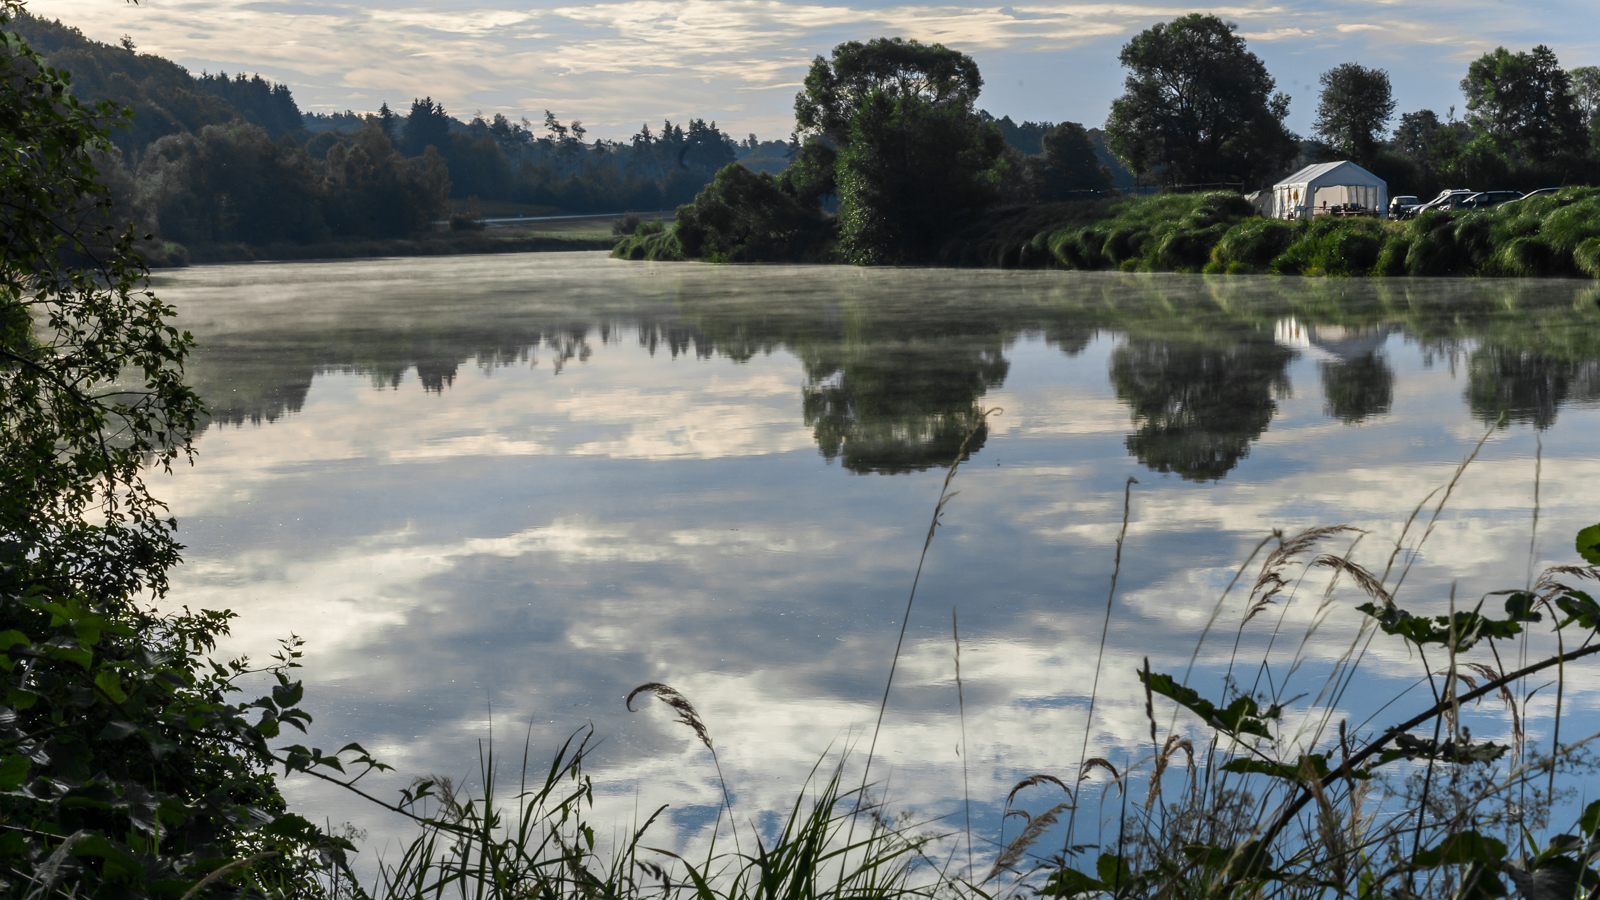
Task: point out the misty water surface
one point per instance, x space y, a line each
502 491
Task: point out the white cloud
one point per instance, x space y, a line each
615 64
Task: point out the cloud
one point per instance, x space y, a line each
1276 34
617 63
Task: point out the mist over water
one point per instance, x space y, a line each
506 490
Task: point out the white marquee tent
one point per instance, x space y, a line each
1314 190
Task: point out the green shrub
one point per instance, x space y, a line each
1475 245
1165 232
1587 257
1392 258
1125 243
1252 245
745 216
1525 257
653 241
1351 251
1433 244
1565 226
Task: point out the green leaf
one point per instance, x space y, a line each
13 769
78 655
1248 860
1588 544
1318 763
1461 848
1409 746
107 682
1467 628
1590 822
1071 883
291 827
286 695
1242 716
1580 608
9 639
1114 871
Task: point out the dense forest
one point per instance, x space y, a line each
216 159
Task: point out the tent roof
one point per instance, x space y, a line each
1348 173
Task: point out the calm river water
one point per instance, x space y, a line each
495 493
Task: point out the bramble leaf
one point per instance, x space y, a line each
1242 716
1588 544
1462 848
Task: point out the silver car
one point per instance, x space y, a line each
1449 199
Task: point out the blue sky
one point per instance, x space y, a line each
617 63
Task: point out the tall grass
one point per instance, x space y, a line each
1274 797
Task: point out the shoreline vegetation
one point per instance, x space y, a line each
890 135
1551 235
537 237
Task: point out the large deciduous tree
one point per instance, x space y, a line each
1199 107
1524 102
893 68
1354 110
913 154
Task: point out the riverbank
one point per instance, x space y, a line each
1554 235
505 236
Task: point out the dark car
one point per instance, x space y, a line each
1400 207
1486 199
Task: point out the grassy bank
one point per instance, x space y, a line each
1555 235
541 237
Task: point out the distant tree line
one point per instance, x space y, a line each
220 159
887 136
888 130
1199 107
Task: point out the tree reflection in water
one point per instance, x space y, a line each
1197 406
901 406
1358 389
895 365
1526 387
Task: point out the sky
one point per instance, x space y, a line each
617 63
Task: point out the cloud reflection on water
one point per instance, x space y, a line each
536 539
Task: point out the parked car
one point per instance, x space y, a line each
1486 199
1449 199
1538 193
1400 206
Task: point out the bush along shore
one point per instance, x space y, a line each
1551 235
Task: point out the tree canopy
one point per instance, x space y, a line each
893 68
1198 107
1524 102
1354 110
